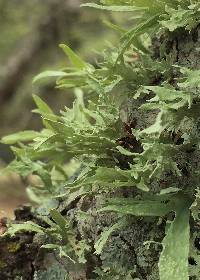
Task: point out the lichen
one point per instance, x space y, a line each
139 155
2 264
13 247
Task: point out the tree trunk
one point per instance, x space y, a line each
125 253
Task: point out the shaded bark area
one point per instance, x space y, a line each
18 253
22 256
17 257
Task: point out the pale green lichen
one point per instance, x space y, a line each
142 164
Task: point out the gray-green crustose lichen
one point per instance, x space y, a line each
54 272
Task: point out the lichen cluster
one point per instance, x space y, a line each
130 208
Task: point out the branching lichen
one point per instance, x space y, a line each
135 194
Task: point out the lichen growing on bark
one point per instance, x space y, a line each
134 196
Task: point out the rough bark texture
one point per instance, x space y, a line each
125 251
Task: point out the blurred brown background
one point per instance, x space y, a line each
30 33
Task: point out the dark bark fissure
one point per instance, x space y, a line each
140 272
